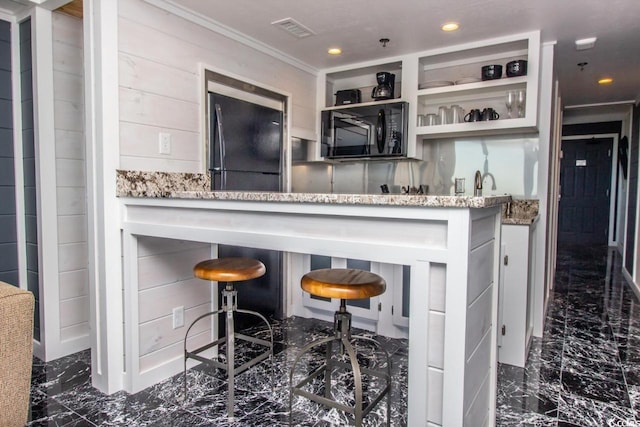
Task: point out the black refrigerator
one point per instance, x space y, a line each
245 147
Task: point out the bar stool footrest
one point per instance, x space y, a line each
337 405
194 354
299 391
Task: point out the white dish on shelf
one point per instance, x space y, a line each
435 83
466 80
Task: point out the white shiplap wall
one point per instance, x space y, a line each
70 181
165 281
160 56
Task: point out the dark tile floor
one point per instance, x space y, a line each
62 394
584 371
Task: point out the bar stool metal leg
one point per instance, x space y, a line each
229 306
231 342
342 335
387 390
187 354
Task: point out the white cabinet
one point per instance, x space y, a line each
360 76
516 294
452 76
444 77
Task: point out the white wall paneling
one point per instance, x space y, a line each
156 48
70 174
44 127
60 183
72 229
435 381
74 283
71 201
163 268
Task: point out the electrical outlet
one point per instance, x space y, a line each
178 317
164 143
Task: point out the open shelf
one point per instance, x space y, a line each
450 64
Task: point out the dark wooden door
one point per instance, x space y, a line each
585 180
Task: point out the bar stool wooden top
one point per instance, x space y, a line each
229 269
343 283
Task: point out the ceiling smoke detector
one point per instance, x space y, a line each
293 27
584 44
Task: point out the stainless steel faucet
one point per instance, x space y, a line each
493 179
477 185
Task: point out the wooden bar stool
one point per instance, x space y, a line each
229 270
344 284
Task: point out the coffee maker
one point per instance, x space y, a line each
384 90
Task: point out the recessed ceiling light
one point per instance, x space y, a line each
334 51
450 26
605 81
584 44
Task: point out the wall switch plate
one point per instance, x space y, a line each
178 317
164 143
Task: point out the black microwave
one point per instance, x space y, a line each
376 130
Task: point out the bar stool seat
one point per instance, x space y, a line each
343 284
230 271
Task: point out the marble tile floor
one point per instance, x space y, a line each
584 371
62 394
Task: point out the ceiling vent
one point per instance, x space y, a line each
293 27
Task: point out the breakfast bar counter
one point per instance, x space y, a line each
450 244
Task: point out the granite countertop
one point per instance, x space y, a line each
522 212
351 199
196 186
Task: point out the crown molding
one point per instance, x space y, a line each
213 25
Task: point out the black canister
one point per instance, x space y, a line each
517 68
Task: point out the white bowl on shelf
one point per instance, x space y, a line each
435 83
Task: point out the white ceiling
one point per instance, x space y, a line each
414 25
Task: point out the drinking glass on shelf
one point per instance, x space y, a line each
521 100
443 115
510 101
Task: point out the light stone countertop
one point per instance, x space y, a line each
523 212
350 199
196 186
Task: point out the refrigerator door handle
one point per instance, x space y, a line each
222 168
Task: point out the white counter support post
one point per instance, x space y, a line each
103 208
470 338
458 231
418 381
131 313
